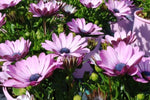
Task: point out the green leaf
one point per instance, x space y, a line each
19 91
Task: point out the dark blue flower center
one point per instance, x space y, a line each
64 50
16 54
120 66
116 10
146 75
34 77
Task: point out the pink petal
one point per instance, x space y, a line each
14 83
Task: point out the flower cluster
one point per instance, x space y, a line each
77 53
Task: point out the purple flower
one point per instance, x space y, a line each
2 17
144 70
14 50
31 71
118 8
44 9
120 60
79 26
66 45
91 3
128 38
8 3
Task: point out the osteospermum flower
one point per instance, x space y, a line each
143 75
128 38
79 26
2 17
66 45
8 3
118 8
120 60
44 9
14 50
91 3
32 71
26 96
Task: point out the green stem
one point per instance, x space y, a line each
70 88
110 88
44 25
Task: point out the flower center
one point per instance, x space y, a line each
14 54
146 75
83 31
64 50
34 77
120 66
116 10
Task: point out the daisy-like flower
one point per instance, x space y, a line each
14 50
26 96
91 3
2 17
120 9
66 45
120 60
143 75
69 9
44 9
8 3
128 38
32 71
79 26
